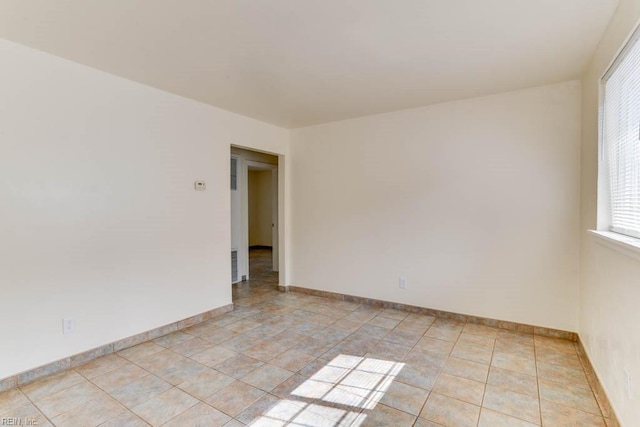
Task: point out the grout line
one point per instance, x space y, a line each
484 394
35 406
535 360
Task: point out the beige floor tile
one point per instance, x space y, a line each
389 351
554 357
450 412
515 381
421 376
173 339
160 360
405 397
392 313
206 383
91 413
521 337
555 415
266 404
562 374
119 377
28 413
435 345
11 400
292 360
483 341
285 389
234 423
345 326
508 402
243 325
419 356
238 366
405 338
473 353
242 342
409 327
514 363
218 336
267 351
201 328
214 355
460 388
140 351
373 331
314 347
164 406
191 347
125 419
445 333
421 422
421 319
235 398
482 330
573 397
101 365
383 322
326 416
466 369
181 371
140 390
515 348
489 418
554 344
199 415
383 415
68 399
267 377
51 385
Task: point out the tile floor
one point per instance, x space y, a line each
299 360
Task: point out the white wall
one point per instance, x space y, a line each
475 201
98 216
610 280
260 202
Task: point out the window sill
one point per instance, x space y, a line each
629 246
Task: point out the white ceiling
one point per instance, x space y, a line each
301 62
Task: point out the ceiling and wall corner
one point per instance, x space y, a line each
294 63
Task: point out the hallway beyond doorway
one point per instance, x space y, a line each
261 274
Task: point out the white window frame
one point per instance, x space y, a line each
605 227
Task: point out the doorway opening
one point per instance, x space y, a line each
254 220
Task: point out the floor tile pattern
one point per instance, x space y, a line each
292 359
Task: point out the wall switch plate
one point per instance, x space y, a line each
68 325
403 282
200 185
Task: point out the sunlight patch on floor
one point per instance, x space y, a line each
336 395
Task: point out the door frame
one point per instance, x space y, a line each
274 210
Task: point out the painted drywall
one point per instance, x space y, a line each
260 201
99 219
610 285
476 202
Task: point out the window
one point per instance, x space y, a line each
621 139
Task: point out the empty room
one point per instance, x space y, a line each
320 213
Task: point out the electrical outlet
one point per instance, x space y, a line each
68 325
403 282
628 384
